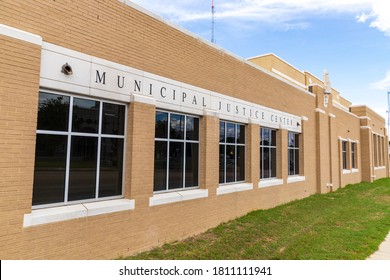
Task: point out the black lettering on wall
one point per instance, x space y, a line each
100 79
137 86
120 85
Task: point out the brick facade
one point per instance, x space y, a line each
130 37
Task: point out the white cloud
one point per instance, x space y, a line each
381 16
363 17
290 13
383 84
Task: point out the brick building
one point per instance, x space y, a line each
120 131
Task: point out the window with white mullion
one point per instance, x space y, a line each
344 154
99 151
353 155
267 153
70 130
293 153
231 152
68 150
176 151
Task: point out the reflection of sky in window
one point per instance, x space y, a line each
85 103
222 132
266 135
190 123
45 98
230 130
291 140
161 117
177 124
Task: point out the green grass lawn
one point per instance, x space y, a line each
347 224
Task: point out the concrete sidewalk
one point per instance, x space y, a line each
384 251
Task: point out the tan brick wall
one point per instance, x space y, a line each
253 154
113 31
139 166
209 152
19 83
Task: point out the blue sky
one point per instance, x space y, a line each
349 38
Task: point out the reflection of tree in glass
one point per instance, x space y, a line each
161 129
53 114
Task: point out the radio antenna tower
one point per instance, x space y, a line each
212 22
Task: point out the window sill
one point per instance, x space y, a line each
165 198
63 213
294 179
349 171
379 167
270 183
225 189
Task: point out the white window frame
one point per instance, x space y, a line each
168 140
354 155
294 149
344 154
270 147
235 152
98 135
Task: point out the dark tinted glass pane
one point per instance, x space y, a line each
176 157
290 162
192 164
161 125
344 146
192 127
296 162
240 163
344 160
111 167
85 115
353 151
177 126
113 119
230 133
82 173
267 137
230 163
266 162
296 135
49 171
222 132
291 139
160 166
222 163
241 134
273 138
53 112
261 163
261 136
273 162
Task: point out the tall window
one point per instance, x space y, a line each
344 154
176 156
293 153
375 149
267 153
231 152
353 155
79 149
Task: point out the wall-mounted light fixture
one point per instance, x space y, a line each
67 69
